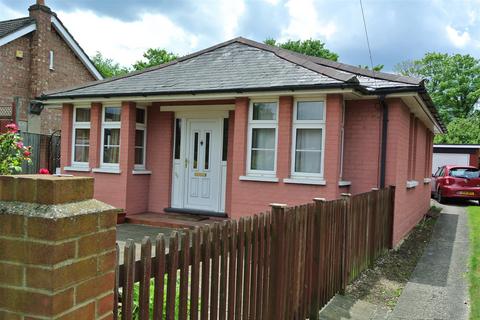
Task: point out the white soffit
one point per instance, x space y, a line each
17 34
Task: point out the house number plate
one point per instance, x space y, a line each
200 174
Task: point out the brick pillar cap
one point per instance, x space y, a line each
45 189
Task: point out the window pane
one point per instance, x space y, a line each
139 155
178 137
265 111
111 137
263 138
308 161
82 136
112 114
309 139
225 140
263 160
310 110
207 150
82 115
195 151
111 154
140 116
81 154
139 138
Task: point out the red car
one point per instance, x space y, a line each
460 182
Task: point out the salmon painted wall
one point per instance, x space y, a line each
361 160
410 204
249 197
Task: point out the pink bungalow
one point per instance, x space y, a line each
229 129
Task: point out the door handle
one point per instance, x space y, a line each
186 163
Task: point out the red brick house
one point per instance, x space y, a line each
37 53
232 128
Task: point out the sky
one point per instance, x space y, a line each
398 30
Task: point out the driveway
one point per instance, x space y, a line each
438 288
137 232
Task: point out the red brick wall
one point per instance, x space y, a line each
474 158
361 161
29 77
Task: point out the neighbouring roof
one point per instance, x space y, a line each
241 65
16 28
9 26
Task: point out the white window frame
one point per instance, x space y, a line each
261 124
79 125
143 127
51 64
109 125
308 124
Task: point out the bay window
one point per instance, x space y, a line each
262 138
81 136
140 137
110 155
308 139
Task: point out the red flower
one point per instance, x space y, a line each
20 145
44 171
27 153
12 128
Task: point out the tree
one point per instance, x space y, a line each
462 131
107 67
378 67
154 57
309 47
453 82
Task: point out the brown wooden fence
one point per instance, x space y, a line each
284 264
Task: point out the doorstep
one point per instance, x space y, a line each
172 220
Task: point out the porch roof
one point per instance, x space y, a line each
243 65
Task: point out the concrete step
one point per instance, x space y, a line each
342 307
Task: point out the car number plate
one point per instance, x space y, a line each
467 193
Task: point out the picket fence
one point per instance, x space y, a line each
283 264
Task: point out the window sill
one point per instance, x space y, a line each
258 178
141 172
107 170
77 168
412 184
318 182
344 183
427 180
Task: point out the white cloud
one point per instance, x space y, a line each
7 13
229 14
125 41
304 22
457 38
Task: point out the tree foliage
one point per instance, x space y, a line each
453 82
107 67
378 67
462 131
309 47
153 57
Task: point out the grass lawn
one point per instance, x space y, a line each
474 222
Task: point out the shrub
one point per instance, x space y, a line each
12 151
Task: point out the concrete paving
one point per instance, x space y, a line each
343 307
137 232
438 288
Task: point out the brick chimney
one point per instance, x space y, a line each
40 47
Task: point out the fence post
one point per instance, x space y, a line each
391 215
345 243
277 262
315 307
373 197
57 256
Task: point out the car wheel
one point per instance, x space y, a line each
440 198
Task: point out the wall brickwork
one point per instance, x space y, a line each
56 262
30 76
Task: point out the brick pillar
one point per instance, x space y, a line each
333 141
127 137
285 115
238 150
57 256
95 135
66 139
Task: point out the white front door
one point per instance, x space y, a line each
203 165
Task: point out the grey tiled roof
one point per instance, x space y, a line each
9 26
